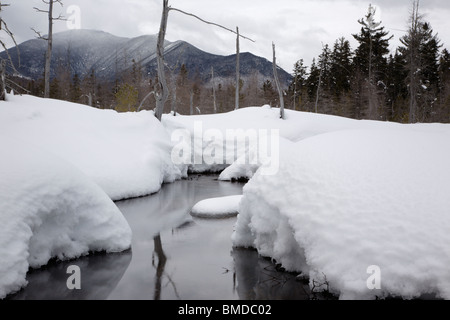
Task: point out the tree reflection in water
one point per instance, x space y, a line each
162 259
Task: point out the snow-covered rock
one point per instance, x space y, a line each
357 209
221 207
50 209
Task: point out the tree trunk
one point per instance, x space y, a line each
318 88
174 99
48 55
277 81
162 259
237 70
2 80
214 89
413 63
163 93
191 102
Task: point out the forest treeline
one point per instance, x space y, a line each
409 85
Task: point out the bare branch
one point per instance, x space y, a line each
40 10
39 34
10 34
9 56
211 23
143 100
17 85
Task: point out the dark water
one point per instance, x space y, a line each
173 256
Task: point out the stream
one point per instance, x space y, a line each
174 256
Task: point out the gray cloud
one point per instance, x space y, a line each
297 27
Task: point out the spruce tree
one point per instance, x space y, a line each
420 51
370 60
296 87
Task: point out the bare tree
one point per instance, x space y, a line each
49 39
214 89
161 91
318 86
236 105
4 62
413 59
277 81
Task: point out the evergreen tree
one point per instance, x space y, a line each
312 82
127 98
397 92
75 89
341 67
370 60
297 85
270 94
421 54
444 86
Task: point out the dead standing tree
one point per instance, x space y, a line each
277 81
161 91
3 62
49 39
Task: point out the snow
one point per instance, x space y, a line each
348 202
126 154
248 163
221 207
50 209
331 197
61 167
204 134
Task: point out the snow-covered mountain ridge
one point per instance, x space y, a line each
85 50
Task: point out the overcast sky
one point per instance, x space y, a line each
298 27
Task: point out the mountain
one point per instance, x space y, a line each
109 56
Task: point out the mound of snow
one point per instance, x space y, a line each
211 143
347 201
248 163
221 207
126 154
50 209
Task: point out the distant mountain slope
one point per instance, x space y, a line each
110 55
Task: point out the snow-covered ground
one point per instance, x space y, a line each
221 207
126 154
353 204
61 166
366 212
216 141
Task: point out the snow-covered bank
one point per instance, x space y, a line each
126 154
207 134
50 209
61 166
347 201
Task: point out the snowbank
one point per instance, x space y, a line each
49 209
248 163
221 207
346 204
212 143
126 154
206 135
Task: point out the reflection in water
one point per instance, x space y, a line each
258 279
171 259
100 274
174 256
160 267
